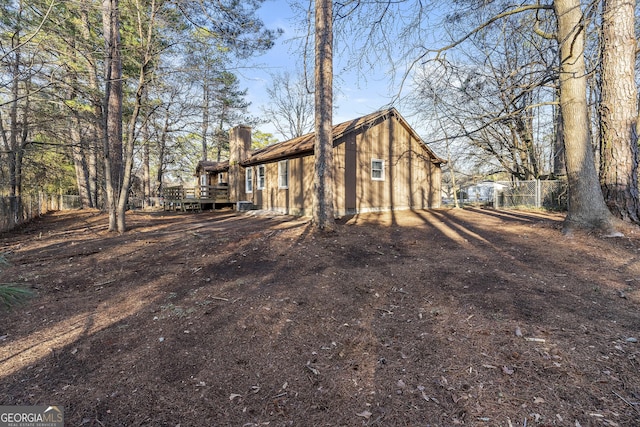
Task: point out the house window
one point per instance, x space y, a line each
261 177
377 170
220 178
248 180
283 174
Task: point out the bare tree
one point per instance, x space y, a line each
493 97
291 106
586 203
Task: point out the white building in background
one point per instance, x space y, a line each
481 192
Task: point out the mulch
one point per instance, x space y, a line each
443 317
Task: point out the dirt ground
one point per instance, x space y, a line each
429 318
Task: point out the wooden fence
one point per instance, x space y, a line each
15 211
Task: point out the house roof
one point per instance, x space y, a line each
212 167
303 145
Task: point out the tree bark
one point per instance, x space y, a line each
79 162
323 213
586 204
146 168
618 111
14 148
96 128
112 111
559 167
162 144
205 121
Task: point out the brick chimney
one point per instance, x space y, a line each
239 147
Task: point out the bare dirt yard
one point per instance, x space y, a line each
429 318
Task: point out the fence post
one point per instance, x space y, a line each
538 193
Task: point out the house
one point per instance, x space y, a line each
484 191
380 164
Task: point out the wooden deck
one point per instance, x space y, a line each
194 198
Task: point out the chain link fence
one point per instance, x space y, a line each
539 194
136 202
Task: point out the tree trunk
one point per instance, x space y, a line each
323 214
146 170
96 128
14 189
586 205
146 39
450 164
74 124
161 157
524 128
80 163
559 167
220 134
205 122
112 111
96 191
128 151
618 111
16 141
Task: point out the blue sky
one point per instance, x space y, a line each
354 97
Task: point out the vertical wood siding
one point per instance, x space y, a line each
411 180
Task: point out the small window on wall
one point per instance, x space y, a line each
261 177
283 174
248 180
377 170
220 178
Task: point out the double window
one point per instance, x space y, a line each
283 174
248 180
377 170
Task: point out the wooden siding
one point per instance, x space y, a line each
411 179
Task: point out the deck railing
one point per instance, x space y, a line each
192 198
